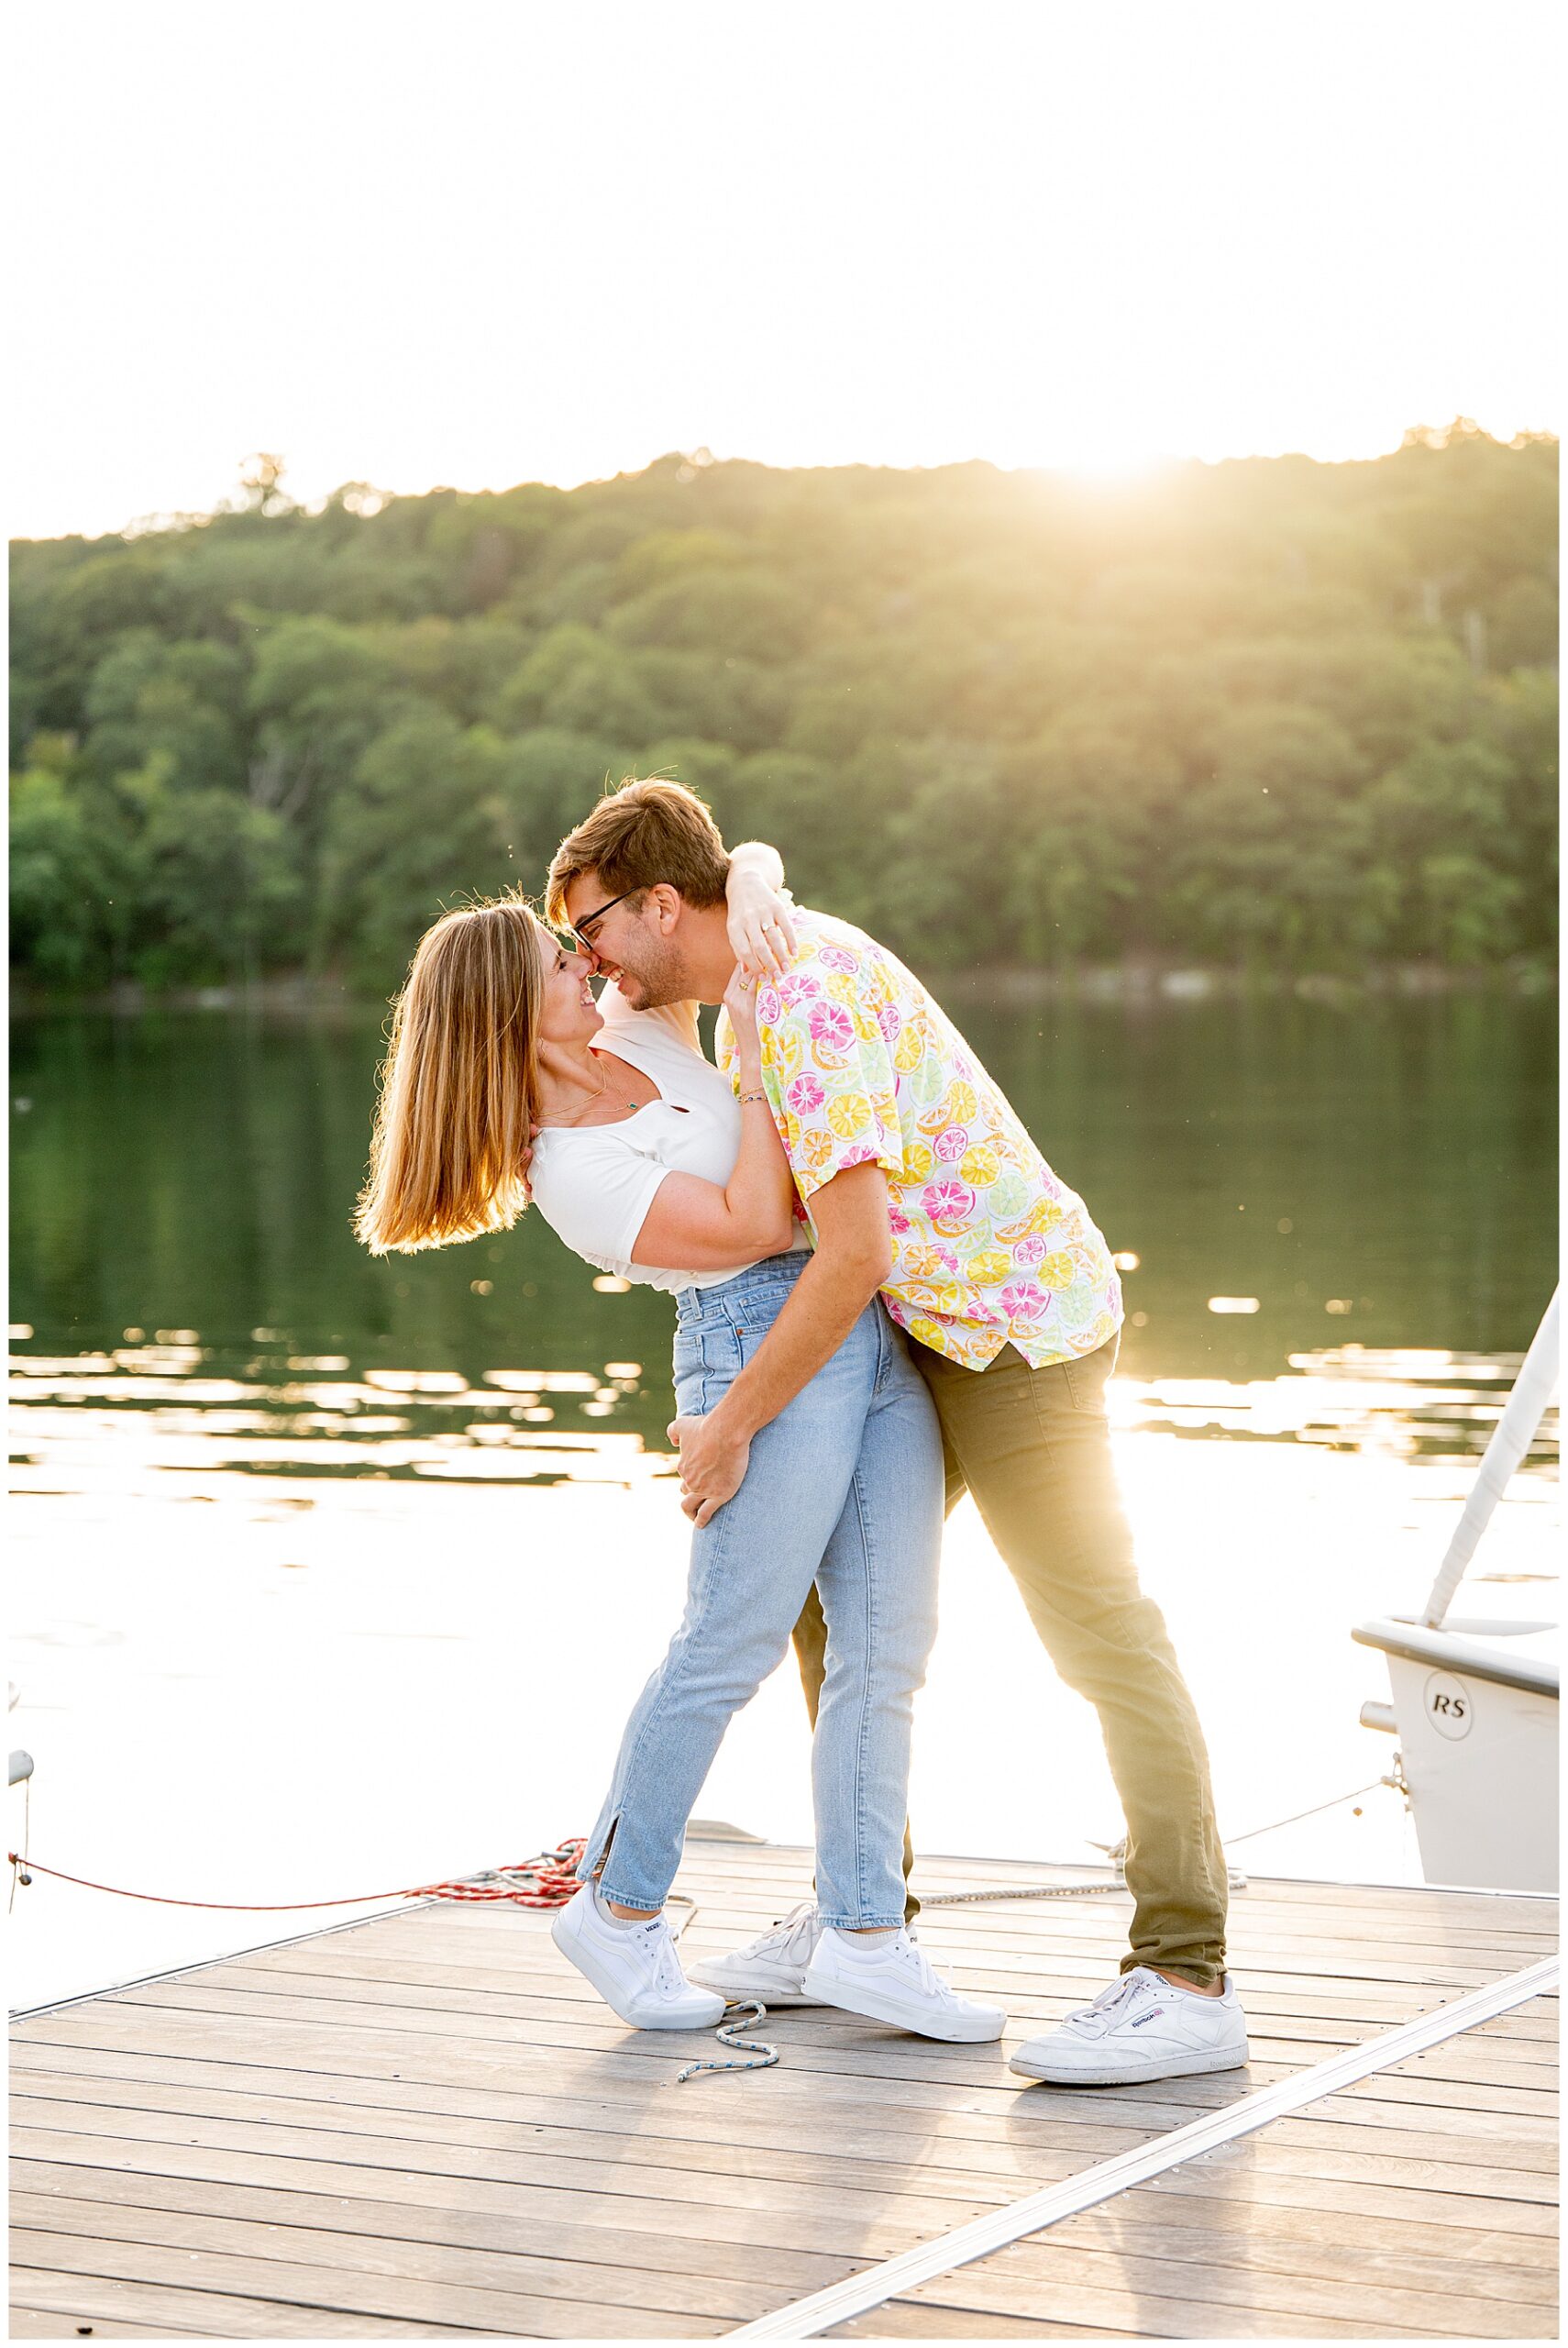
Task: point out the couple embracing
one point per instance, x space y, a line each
884 1297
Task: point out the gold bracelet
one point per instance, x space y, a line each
753 1096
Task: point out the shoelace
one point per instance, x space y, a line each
930 1980
1114 1994
661 1948
777 1942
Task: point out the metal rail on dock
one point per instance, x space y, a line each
808 2319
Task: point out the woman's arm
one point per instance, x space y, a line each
760 930
705 1227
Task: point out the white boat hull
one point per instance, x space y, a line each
1476 1720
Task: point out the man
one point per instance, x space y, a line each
903 1145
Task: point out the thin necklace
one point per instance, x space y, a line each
603 1092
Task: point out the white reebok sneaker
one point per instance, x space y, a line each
772 1967
1142 2027
894 1981
633 1968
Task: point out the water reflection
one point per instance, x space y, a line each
1309 1203
1382 1175
186 1408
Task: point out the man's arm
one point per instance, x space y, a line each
854 1255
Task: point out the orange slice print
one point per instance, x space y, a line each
1041 1217
848 1113
979 1166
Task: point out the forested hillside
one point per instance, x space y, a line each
1270 712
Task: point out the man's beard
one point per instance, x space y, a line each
657 976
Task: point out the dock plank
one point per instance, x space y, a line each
900 2320
162 2113
590 2241
525 1972
393 2256
1058 2275
1378 2101
840 2044
1308 2149
37 2324
426 2123
72 2296
1526 2037
325 2292
810 2270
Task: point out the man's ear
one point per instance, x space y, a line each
668 904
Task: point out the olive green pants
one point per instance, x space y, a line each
1033 1448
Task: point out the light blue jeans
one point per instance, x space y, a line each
845 1489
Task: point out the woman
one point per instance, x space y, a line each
647 1163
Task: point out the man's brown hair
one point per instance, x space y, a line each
642 834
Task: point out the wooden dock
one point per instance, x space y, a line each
427 2123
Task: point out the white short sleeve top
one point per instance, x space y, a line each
594 1184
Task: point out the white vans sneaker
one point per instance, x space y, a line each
894 1981
1142 2027
772 1967
633 1967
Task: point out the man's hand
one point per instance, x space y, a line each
713 1462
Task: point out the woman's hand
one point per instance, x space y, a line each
740 1002
761 932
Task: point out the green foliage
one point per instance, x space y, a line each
1275 712
419 828
216 883
63 883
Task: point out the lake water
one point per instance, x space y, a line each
336 1576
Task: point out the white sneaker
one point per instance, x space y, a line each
633 1968
894 1981
1142 2027
772 1967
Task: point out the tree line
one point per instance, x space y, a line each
1269 713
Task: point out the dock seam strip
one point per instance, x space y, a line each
842 2302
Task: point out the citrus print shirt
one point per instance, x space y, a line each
990 1248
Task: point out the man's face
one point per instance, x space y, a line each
631 943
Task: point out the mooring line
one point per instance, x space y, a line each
875 2286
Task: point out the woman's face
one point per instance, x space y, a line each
567 1012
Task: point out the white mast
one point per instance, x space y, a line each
1511 1438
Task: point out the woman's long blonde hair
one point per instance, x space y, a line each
459 1088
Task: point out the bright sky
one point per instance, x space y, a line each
518 239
